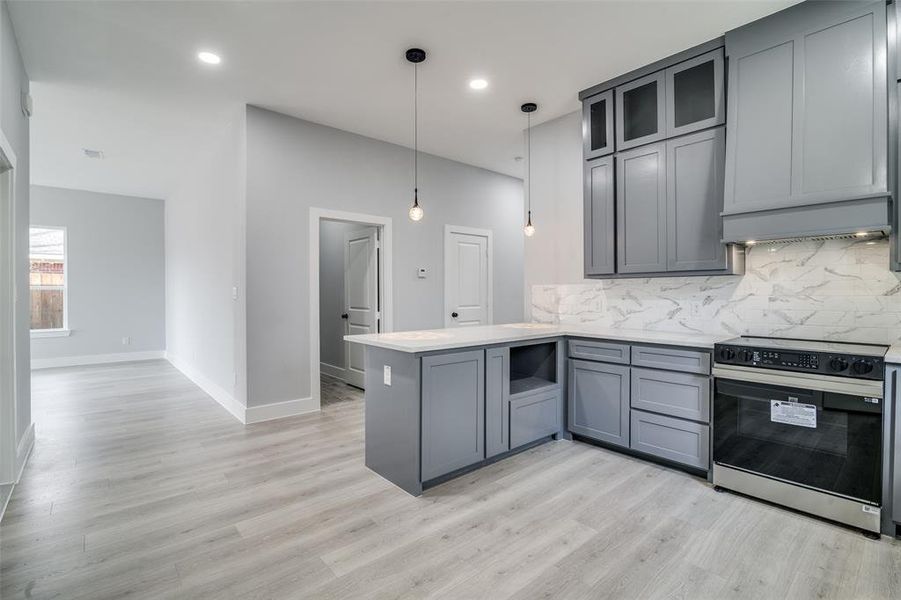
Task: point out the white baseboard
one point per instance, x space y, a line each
23 451
279 410
95 359
4 499
214 390
327 369
245 414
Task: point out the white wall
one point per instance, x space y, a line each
331 293
13 83
554 254
116 272
204 261
293 165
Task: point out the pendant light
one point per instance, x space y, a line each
529 108
415 56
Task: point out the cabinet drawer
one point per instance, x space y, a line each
686 361
534 417
683 395
680 441
602 351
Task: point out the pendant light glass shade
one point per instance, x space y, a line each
529 108
415 210
415 56
529 229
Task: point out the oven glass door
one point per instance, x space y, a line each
824 440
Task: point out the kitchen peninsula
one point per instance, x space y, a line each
445 401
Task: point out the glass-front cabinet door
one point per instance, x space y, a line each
694 94
640 111
597 125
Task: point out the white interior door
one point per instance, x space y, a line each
467 277
360 295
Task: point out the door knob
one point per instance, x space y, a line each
344 316
454 314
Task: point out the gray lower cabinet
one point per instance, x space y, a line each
807 112
682 395
680 441
641 209
674 359
610 352
892 425
534 416
497 401
599 225
453 412
694 199
599 401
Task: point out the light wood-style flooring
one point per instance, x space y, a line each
140 486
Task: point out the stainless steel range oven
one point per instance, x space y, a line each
799 423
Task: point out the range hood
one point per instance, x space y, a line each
858 217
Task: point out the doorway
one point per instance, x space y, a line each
468 287
11 455
350 295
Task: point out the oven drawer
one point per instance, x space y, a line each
683 395
674 359
600 351
680 441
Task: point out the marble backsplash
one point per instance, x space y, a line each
837 289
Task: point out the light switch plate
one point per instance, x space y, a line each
387 375
421 272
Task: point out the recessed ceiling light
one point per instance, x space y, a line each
478 84
209 58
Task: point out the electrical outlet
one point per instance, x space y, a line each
235 293
387 375
126 341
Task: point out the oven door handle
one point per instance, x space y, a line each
808 381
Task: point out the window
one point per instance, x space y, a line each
47 278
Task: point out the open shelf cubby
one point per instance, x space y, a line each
533 367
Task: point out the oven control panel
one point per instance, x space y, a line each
824 363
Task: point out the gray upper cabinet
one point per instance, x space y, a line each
694 197
599 401
453 412
655 206
695 97
599 235
641 111
597 125
760 125
641 209
807 112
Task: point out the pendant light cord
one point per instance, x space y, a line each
415 135
529 166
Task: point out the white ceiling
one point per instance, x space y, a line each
122 77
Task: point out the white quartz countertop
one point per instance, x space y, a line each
894 354
430 340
